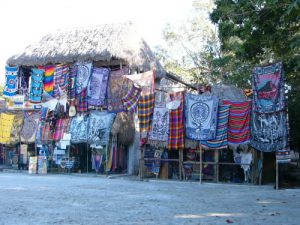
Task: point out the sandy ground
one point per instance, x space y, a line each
88 200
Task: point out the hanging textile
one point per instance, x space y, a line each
201 116
283 155
268 88
220 142
11 81
36 87
49 80
29 129
24 74
144 80
43 130
72 84
6 125
145 113
118 87
158 135
238 122
269 131
16 129
98 86
61 79
79 129
176 125
61 127
100 127
244 159
130 100
83 76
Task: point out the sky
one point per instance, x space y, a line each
23 22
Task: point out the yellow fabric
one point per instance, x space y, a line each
6 124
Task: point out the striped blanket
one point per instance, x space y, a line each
145 113
61 79
176 124
238 122
220 142
130 100
11 82
49 80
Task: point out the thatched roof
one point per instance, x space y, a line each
98 43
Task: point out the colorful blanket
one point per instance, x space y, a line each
79 129
11 81
100 127
220 142
29 129
283 155
118 87
269 131
144 80
36 87
61 127
49 80
158 135
201 116
61 79
239 122
145 113
6 126
82 101
97 86
130 100
176 125
268 88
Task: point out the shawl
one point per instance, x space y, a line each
97 86
144 80
16 129
28 132
145 113
49 80
72 83
159 132
130 100
36 87
238 122
201 116
6 126
283 155
11 81
100 127
269 131
61 127
83 76
268 88
176 125
82 101
118 87
61 78
79 129
220 142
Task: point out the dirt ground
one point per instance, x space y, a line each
70 199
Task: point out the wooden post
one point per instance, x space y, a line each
142 163
277 177
200 172
180 166
262 165
217 165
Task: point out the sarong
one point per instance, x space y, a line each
79 129
6 125
61 127
145 113
49 80
61 79
130 100
36 88
16 129
29 129
11 81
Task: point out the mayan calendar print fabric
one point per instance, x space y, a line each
144 80
79 129
30 126
239 122
145 112
100 127
220 142
61 79
11 81
201 116
97 86
160 126
176 125
268 88
269 131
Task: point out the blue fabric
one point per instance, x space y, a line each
11 83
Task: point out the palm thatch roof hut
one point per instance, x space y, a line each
107 44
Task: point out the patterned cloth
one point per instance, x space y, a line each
46 133
269 131
72 83
239 122
176 125
145 112
100 127
61 78
49 80
36 87
16 129
201 116
268 88
82 102
144 80
118 87
6 126
220 142
79 129
40 137
130 100
29 129
61 127
283 155
11 81
159 132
